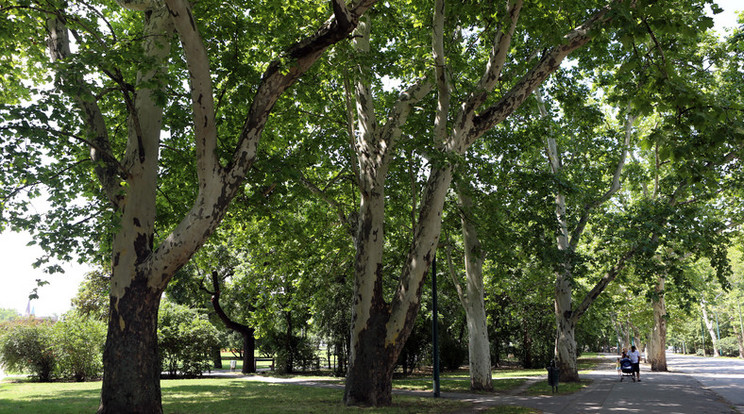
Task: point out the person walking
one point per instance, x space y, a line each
635 361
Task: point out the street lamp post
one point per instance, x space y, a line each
434 326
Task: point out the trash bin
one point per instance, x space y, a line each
554 374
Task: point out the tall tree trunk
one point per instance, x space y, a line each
133 387
379 329
479 347
711 329
657 346
565 342
567 242
472 299
249 351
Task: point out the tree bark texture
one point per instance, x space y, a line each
479 349
656 354
711 329
131 380
565 342
379 329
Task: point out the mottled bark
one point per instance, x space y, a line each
131 380
711 329
379 329
565 342
656 354
472 297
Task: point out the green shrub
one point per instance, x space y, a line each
28 347
185 338
729 346
78 345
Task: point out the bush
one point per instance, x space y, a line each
729 346
28 347
78 345
185 338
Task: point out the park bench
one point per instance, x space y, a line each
264 359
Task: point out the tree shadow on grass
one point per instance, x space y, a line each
255 397
210 396
61 402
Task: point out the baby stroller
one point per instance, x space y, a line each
627 368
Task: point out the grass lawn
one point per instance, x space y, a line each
453 382
218 395
228 395
542 388
207 396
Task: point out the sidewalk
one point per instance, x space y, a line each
666 393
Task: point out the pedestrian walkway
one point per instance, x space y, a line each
665 392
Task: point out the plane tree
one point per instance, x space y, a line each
119 80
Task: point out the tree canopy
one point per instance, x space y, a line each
303 162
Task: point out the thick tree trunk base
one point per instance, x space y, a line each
131 377
370 378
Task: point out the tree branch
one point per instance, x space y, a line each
202 99
614 186
489 79
58 44
549 62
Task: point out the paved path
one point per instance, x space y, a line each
724 376
667 393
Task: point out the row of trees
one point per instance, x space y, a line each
312 161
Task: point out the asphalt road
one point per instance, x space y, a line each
724 376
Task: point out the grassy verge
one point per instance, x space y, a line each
228 395
207 396
454 384
564 388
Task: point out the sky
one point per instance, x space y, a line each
18 277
